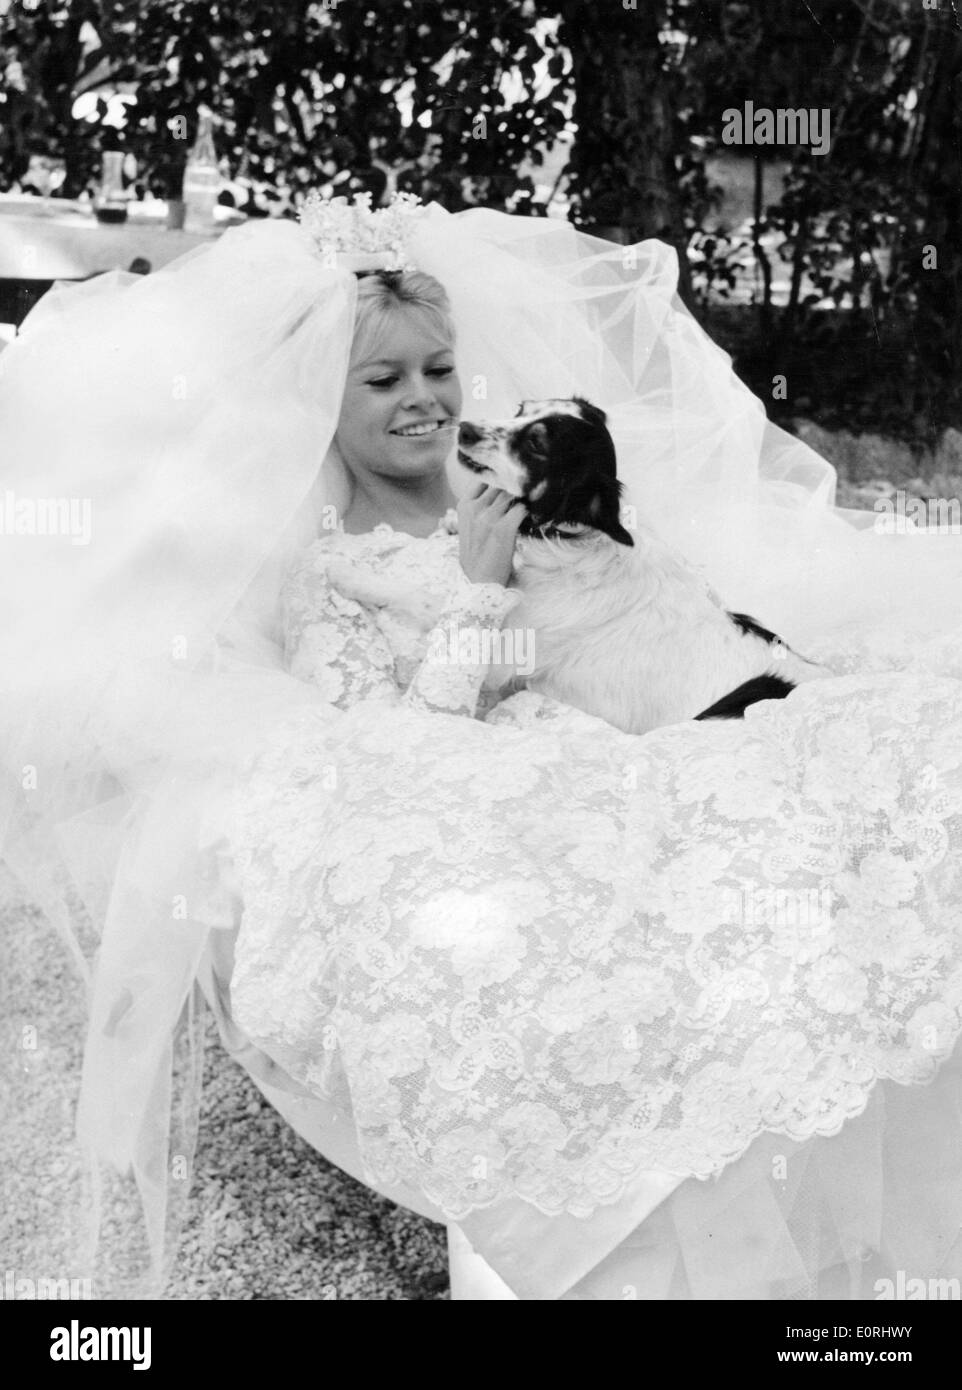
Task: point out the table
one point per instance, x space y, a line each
41 244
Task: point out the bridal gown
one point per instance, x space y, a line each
671 1016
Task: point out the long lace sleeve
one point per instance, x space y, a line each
334 642
459 648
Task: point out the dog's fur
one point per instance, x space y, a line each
624 628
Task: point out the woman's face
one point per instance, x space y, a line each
399 416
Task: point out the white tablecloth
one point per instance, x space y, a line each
71 245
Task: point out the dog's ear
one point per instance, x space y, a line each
591 414
598 490
617 532
604 514
595 445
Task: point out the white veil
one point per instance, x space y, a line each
191 413
187 415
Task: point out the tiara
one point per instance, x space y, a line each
339 225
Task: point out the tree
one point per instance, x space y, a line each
624 162
452 100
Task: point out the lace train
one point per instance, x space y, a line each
537 957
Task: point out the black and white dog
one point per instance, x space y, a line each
624 627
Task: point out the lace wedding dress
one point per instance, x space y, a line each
675 1014
551 969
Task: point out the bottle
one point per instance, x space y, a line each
202 177
111 202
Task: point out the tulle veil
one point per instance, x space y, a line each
188 416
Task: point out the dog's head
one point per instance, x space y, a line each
557 456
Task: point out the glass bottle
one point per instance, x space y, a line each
202 177
110 205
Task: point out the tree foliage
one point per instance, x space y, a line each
456 101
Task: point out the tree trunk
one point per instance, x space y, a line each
623 104
940 163
761 255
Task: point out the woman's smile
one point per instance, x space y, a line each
423 428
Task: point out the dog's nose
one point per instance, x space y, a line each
468 433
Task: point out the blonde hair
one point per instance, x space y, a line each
382 293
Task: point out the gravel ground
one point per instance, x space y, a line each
267 1218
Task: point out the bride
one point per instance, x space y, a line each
660 1017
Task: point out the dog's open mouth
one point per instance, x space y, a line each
543 528
469 462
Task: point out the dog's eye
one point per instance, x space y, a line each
536 440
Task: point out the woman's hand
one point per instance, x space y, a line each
488 521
